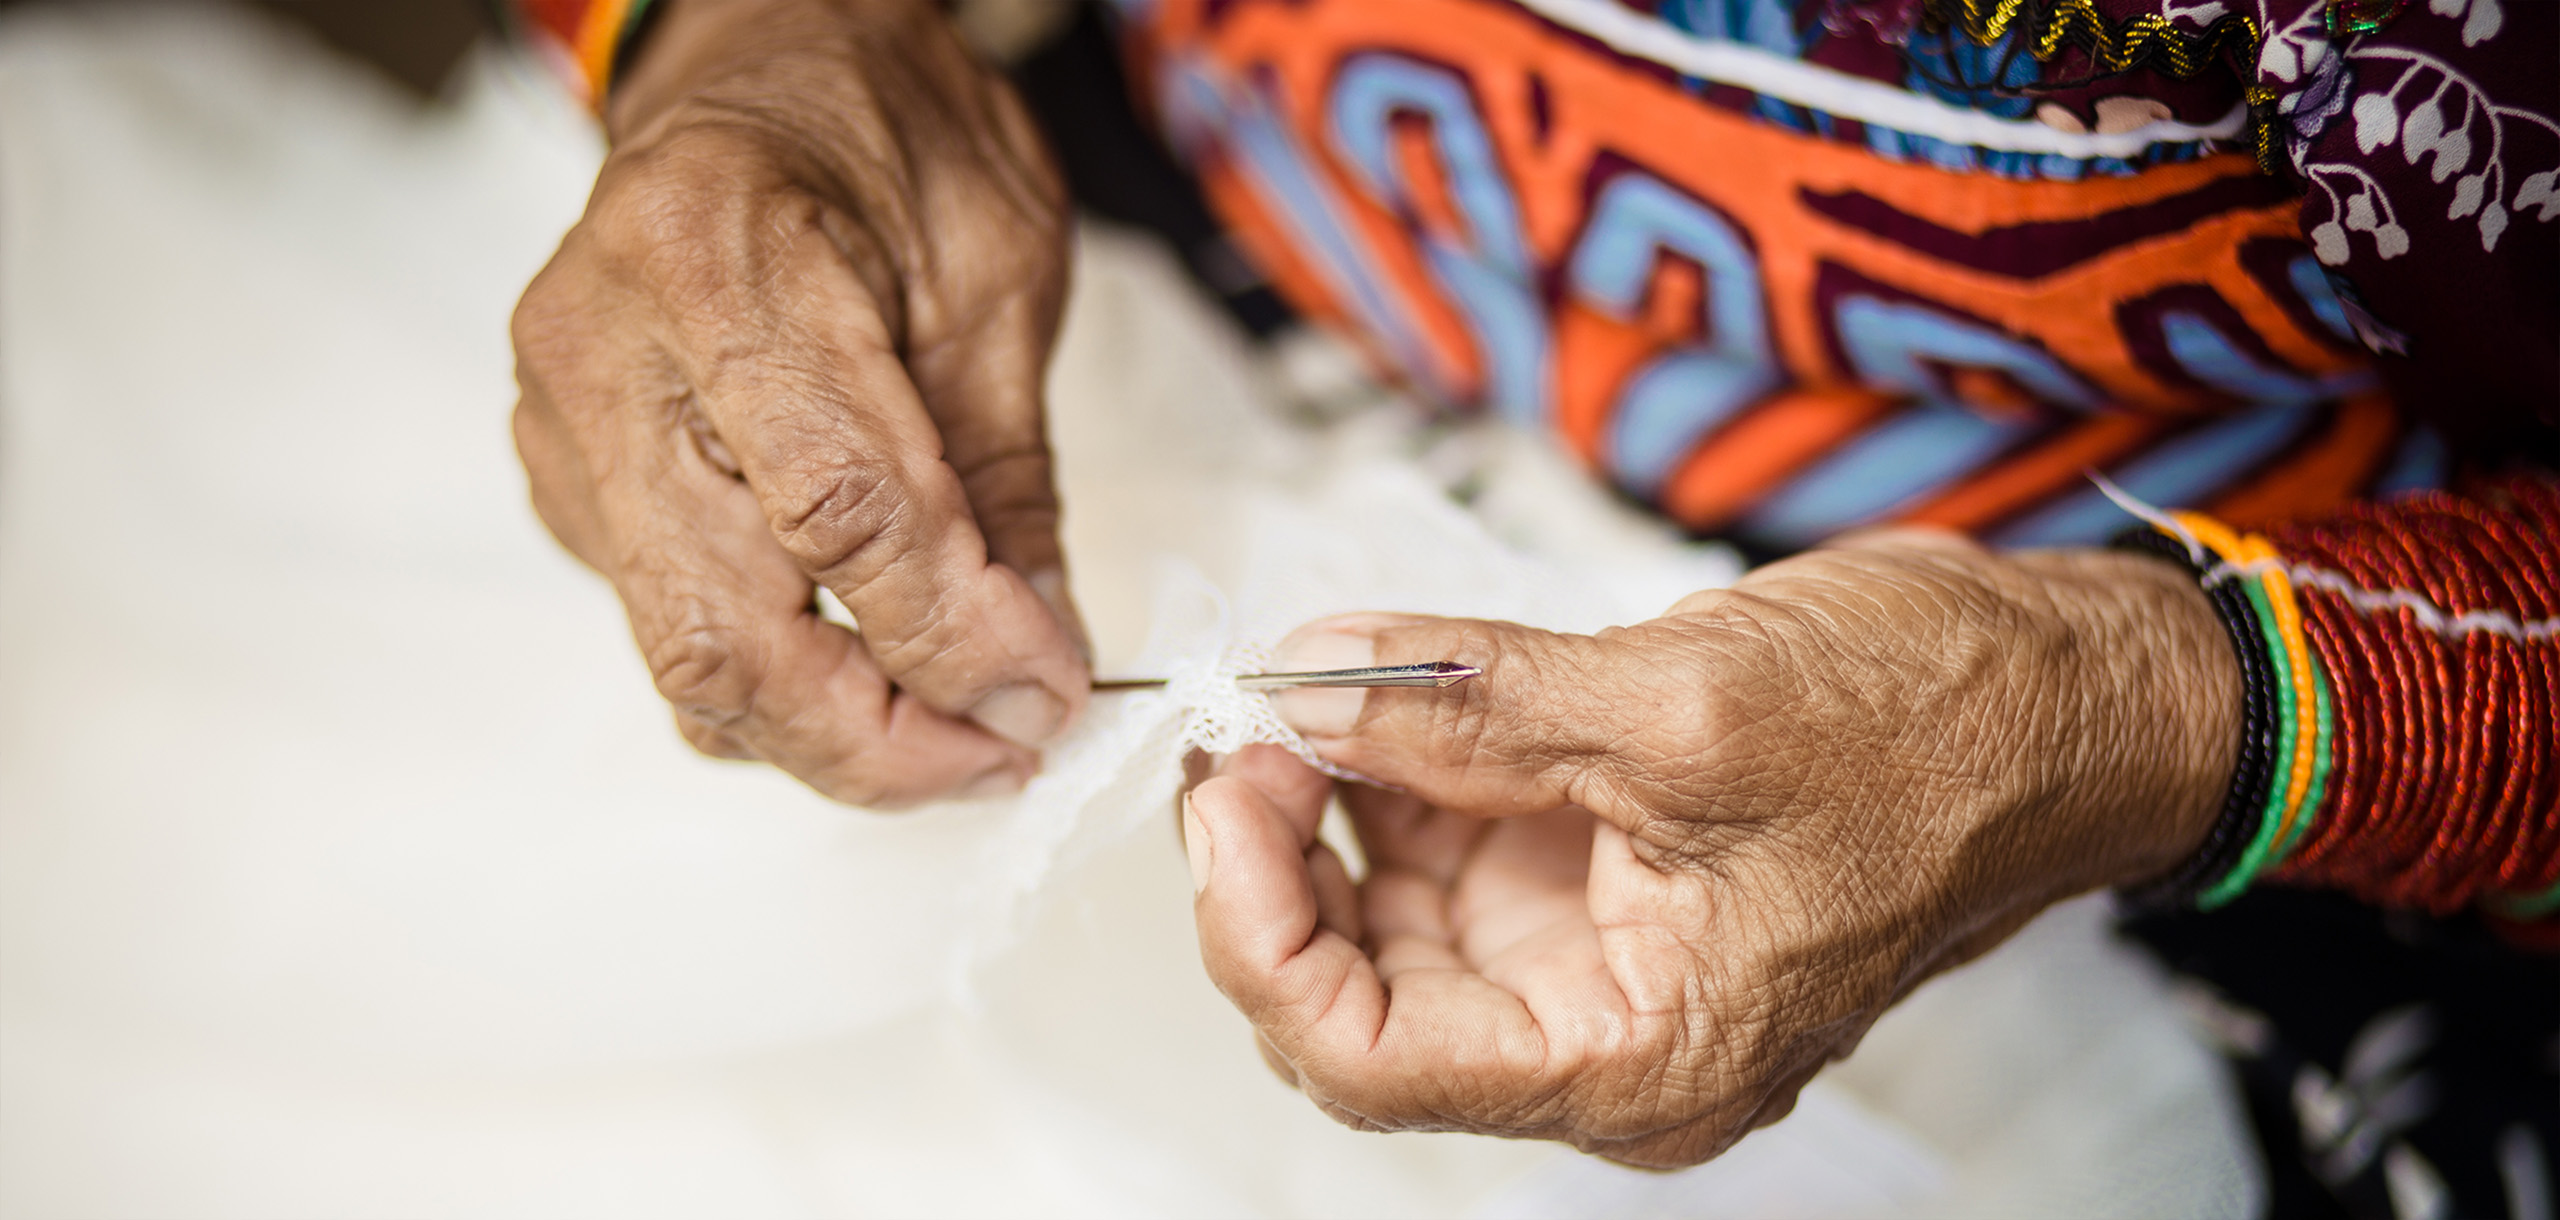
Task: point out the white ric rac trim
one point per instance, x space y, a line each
2366 601
1843 96
2425 613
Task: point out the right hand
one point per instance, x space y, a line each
1632 890
797 340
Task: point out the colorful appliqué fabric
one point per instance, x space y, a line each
1784 269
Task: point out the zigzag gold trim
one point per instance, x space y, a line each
2149 40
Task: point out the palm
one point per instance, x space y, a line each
1458 913
1504 900
1525 948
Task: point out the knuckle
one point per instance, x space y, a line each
850 517
545 327
1469 730
1273 1059
1391 1101
643 220
681 216
702 743
858 770
531 321
1362 1104
697 668
532 435
916 652
662 196
562 499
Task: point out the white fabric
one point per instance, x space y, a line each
348 866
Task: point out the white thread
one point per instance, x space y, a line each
2364 600
2378 601
2130 503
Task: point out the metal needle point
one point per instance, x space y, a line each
1427 673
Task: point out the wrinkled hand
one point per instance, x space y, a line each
797 341
1640 886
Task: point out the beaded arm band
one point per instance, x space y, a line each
2400 666
2237 824
2282 776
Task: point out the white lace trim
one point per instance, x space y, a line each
1221 718
2364 599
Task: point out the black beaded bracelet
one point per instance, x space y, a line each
2244 805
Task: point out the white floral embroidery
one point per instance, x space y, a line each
2289 52
2201 12
2482 23
2448 123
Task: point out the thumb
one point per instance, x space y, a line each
1546 717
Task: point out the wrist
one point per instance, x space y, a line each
2154 697
694 44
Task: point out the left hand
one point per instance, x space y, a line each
1640 886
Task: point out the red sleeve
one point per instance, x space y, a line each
2436 618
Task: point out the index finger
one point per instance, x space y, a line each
1549 719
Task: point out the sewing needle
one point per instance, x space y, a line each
1427 673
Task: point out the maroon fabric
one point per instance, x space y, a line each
2453 246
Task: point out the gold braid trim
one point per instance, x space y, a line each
2149 40
2145 41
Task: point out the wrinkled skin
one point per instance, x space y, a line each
1638 887
797 341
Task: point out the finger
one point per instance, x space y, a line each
1548 715
1694 1142
1271 1059
1337 898
1448 1049
725 621
1414 853
711 742
983 385
1522 904
560 480
556 476
1400 832
1301 793
827 428
1197 765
